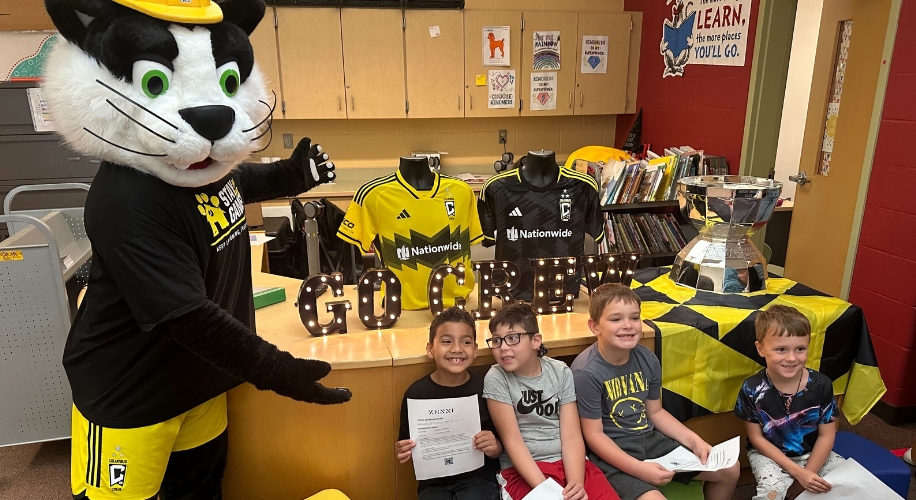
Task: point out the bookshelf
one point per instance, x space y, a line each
657 208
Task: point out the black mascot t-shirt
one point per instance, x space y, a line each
159 251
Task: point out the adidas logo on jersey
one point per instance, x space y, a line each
403 214
515 212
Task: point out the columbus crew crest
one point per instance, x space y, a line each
565 206
450 208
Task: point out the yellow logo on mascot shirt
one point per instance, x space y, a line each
179 11
223 221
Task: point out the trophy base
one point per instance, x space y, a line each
717 265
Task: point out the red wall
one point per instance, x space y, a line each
705 108
884 277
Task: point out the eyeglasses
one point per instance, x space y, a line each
509 339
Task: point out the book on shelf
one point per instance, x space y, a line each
654 179
646 233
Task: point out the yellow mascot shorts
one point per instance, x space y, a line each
129 464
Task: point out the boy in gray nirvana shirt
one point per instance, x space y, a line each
618 383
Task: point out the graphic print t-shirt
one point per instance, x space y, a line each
159 251
793 432
416 231
426 388
617 394
537 401
530 222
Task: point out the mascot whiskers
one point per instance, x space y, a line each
167 93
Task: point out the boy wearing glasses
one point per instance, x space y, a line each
619 386
532 401
453 345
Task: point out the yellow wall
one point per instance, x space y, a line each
468 141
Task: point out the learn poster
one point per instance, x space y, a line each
501 89
495 45
594 54
544 91
546 51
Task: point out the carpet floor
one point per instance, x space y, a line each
41 471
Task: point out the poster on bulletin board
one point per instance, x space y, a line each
501 89
495 45
543 91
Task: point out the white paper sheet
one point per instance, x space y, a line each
444 430
495 45
594 54
721 456
851 481
259 238
548 490
501 89
41 116
543 91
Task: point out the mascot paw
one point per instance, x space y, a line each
298 379
314 162
322 395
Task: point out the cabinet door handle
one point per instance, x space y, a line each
459 101
338 102
471 102
570 99
580 99
352 103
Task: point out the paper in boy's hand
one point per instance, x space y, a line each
722 456
850 481
548 490
444 431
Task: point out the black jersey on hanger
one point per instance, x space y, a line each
530 222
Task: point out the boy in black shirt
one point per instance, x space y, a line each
453 345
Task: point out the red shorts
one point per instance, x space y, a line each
514 487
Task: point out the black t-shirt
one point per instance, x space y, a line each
159 251
425 388
793 431
531 222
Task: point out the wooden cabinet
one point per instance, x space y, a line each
373 47
435 66
311 62
474 22
264 43
604 93
566 24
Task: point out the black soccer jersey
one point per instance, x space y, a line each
530 222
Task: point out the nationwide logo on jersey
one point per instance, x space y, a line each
450 208
418 249
516 212
513 234
565 206
225 223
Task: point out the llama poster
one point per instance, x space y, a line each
495 45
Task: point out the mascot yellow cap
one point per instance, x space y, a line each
178 11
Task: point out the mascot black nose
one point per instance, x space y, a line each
211 122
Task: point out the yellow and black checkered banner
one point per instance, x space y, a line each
705 341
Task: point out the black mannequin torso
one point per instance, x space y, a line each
415 170
540 168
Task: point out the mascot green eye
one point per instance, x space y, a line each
151 78
229 79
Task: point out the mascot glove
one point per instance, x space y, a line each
298 379
314 163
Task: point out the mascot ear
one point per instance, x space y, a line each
245 14
71 17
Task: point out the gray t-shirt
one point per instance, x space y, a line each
617 394
537 402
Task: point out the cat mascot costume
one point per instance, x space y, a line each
166 92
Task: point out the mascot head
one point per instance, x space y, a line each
168 87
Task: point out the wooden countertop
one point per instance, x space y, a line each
405 343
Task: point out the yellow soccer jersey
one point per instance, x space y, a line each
416 231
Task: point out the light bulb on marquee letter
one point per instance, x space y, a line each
308 305
608 268
549 296
489 287
366 292
437 280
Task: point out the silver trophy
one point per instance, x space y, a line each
725 210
